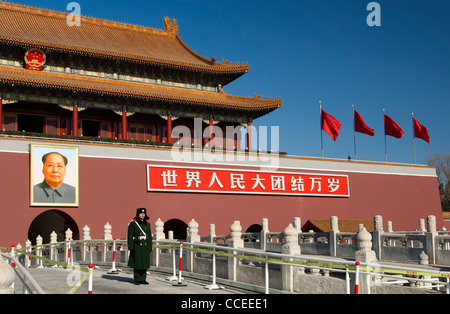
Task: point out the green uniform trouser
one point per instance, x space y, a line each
140 275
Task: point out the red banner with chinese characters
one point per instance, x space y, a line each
212 180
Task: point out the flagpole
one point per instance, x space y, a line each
321 136
385 146
414 138
354 132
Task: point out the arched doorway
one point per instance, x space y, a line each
254 228
178 227
52 220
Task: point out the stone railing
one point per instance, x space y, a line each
423 247
405 246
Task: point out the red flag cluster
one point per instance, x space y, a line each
331 125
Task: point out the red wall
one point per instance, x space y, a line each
112 189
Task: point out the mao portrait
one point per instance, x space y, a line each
54 175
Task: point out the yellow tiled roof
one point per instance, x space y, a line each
24 25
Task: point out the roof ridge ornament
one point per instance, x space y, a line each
171 26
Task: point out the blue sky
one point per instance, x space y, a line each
309 50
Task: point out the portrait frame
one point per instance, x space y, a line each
37 178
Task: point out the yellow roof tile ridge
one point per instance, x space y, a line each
86 19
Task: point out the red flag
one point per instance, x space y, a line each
330 124
392 128
360 126
420 131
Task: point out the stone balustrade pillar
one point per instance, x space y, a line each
159 235
431 238
107 236
376 235
334 230
234 242
69 237
193 237
389 226
86 247
53 249
28 249
193 232
39 250
7 277
212 233
366 255
291 247
422 225
264 232
107 232
298 224
159 230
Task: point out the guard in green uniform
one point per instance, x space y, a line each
139 240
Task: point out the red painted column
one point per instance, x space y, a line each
75 121
249 136
1 114
169 130
211 136
124 125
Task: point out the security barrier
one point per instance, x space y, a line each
416 274
40 258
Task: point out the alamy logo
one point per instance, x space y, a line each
375 274
74 17
221 148
74 276
374 17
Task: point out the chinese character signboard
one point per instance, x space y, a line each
212 180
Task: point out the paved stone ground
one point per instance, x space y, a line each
61 281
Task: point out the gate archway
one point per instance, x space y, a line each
254 228
178 227
52 220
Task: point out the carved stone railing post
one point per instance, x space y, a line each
39 250
159 235
376 235
107 236
212 233
389 226
193 237
7 277
159 230
28 250
422 225
86 247
107 232
298 224
68 239
234 242
364 254
193 232
334 230
291 247
53 248
430 238
263 235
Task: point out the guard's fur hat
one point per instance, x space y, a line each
141 210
